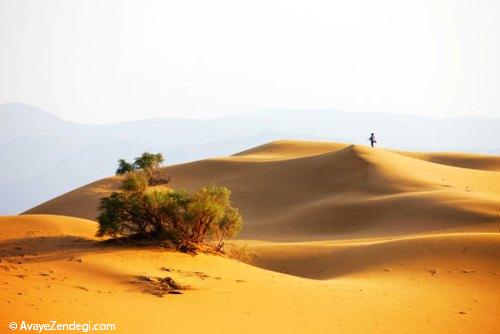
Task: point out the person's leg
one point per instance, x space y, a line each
371 142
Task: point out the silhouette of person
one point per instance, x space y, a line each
372 139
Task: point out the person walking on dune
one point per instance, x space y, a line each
372 139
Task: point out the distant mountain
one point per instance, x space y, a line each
44 156
24 121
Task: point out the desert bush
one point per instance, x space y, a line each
123 214
206 209
159 176
227 227
124 167
239 252
178 216
131 212
149 165
148 161
135 182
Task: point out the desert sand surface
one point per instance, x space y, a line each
341 238
295 191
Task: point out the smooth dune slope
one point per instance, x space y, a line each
52 268
457 252
291 190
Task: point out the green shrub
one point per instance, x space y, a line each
123 214
124 167
229 226
178 216
149 165
148 161
135 182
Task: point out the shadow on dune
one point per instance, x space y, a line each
327 260
40 249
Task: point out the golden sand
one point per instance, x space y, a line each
343 239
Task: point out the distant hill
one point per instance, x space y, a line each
45 156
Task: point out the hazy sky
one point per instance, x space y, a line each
112 60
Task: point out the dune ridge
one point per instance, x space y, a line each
291 189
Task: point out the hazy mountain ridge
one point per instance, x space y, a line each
48 156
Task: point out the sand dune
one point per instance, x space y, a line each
291 190
60 272
331 259
341 238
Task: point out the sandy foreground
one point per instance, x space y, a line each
340 238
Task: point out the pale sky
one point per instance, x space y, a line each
112 60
